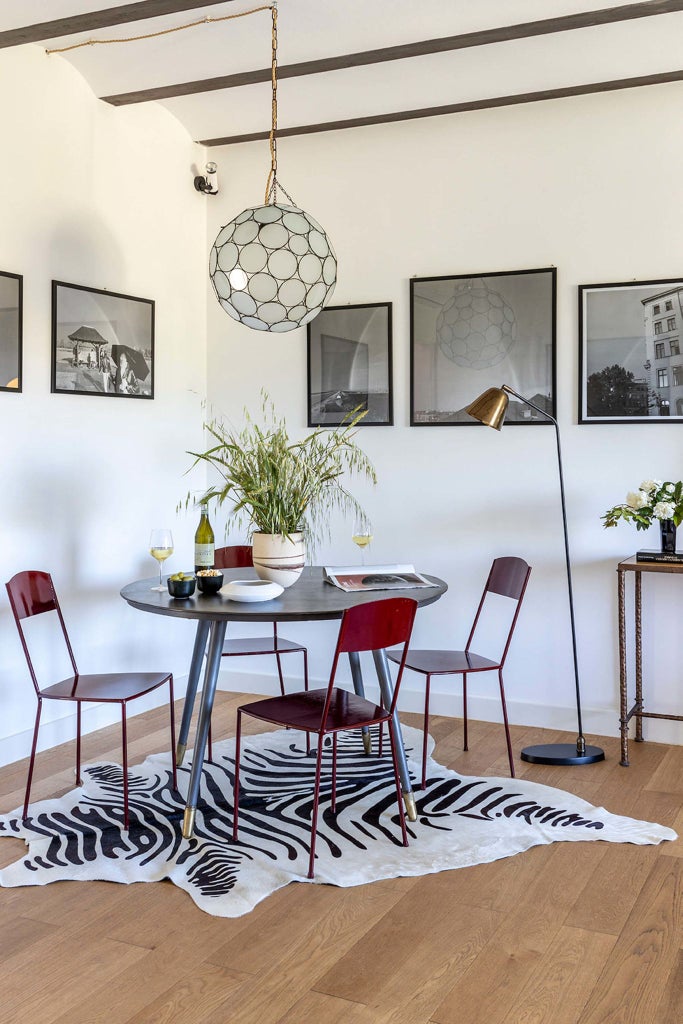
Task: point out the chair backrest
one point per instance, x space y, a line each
374 626
236 556
508 577
32 593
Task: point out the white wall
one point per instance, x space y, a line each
103 197
592 185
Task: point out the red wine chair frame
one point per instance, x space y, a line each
33 593
366 627
508 577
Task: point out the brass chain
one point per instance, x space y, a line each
162 32
271 183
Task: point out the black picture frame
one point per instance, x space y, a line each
630 362
11 331
102 343
349 364
470 332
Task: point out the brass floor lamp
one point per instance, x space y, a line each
490 409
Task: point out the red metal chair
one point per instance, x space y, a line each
239 556
508 577
32 593
365 627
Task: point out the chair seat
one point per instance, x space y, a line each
259 645
106 686
304 710
444 662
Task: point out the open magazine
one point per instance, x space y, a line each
374 577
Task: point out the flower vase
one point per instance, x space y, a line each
277 558
668 534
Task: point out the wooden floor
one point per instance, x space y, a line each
564 933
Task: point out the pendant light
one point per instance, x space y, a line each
273 267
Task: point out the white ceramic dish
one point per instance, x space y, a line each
251 590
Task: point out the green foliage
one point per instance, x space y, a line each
654 501
276 485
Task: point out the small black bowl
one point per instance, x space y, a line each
181 588
209 584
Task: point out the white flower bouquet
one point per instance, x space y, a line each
654 501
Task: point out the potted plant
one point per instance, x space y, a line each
283 490
654 501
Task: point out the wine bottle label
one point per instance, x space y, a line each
203 555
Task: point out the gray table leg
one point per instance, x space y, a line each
213 664
357 676
193 680
387 689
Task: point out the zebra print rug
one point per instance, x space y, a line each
461 821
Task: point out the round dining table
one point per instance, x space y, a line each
311 598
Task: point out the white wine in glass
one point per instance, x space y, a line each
362 535
161 548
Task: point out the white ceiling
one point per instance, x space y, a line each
315 29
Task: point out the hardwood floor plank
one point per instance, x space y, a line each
315 1006
498 975
306 957
610 895
670 1008
668 778
198 994
645 953
430 930
566 974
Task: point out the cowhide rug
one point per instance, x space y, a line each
461 821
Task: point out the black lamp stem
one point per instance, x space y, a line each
552 753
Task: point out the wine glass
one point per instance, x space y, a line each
362 535
161 548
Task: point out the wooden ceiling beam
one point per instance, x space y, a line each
455 108
94 20
506 33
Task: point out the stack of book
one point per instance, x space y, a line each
659 556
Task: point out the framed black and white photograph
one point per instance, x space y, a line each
349 365
102 343
471 332
630 363
11 290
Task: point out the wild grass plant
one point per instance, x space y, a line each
273 484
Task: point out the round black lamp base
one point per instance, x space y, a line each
561 753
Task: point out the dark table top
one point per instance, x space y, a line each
309 598
633 565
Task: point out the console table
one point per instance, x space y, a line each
636 711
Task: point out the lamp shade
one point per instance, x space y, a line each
490 408
273 268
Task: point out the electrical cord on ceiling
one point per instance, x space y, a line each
162 32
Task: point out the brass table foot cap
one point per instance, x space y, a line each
188 822
367 742
180 753
411 809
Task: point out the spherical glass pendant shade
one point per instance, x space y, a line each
273 268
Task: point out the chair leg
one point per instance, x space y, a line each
399 794
334 773
236 788
425 732
32 761
465 745
124 732
173 746
279 672
505 721
305 654
79 780
316 801
210 744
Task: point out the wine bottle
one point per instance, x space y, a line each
204 541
